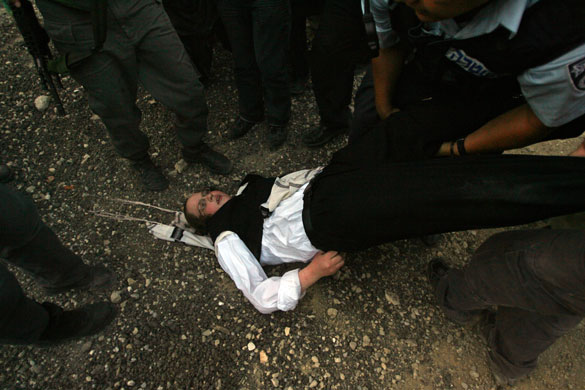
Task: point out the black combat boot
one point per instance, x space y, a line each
215 161
151 176
67 325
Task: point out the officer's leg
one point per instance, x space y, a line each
166 71
237 19
108 76
520 336
298 45
27 242
536 279
22 320
271 24
192 24
337 47
540 271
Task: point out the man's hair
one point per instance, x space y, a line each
199 223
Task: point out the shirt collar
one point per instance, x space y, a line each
505 13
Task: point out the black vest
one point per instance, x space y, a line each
243 215
547 30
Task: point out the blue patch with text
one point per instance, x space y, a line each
468 63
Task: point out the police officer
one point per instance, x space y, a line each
26 242
478 76
139 46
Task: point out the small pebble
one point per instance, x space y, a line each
42 102
115 297
263 357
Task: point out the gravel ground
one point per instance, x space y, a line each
182 323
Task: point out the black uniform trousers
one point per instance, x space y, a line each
259 33
352 206
141 47
194 22
339 44
300 10
537 281
25 241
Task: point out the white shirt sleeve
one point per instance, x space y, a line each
556 90
266 294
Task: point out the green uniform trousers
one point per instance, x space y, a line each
141 46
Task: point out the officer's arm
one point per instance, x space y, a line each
516 128
386 69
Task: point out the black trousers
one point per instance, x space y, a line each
194 22
537 281
434 112
299 64
351 207
25 241
339 45
259 33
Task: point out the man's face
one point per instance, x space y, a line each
206 203
435 10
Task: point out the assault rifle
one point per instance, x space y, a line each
37 44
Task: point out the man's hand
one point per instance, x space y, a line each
15 3
323 264
385 111
327 263
580 151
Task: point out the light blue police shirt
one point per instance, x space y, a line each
555 91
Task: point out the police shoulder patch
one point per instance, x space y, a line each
577 73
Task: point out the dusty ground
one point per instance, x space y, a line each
182 323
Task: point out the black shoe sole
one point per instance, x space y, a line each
84 285
325 138
212 169
105 322
219 172
233 136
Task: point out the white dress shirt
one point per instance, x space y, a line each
283 241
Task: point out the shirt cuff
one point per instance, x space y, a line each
289 292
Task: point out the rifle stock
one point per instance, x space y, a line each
37 44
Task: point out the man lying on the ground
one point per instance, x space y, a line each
349 207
